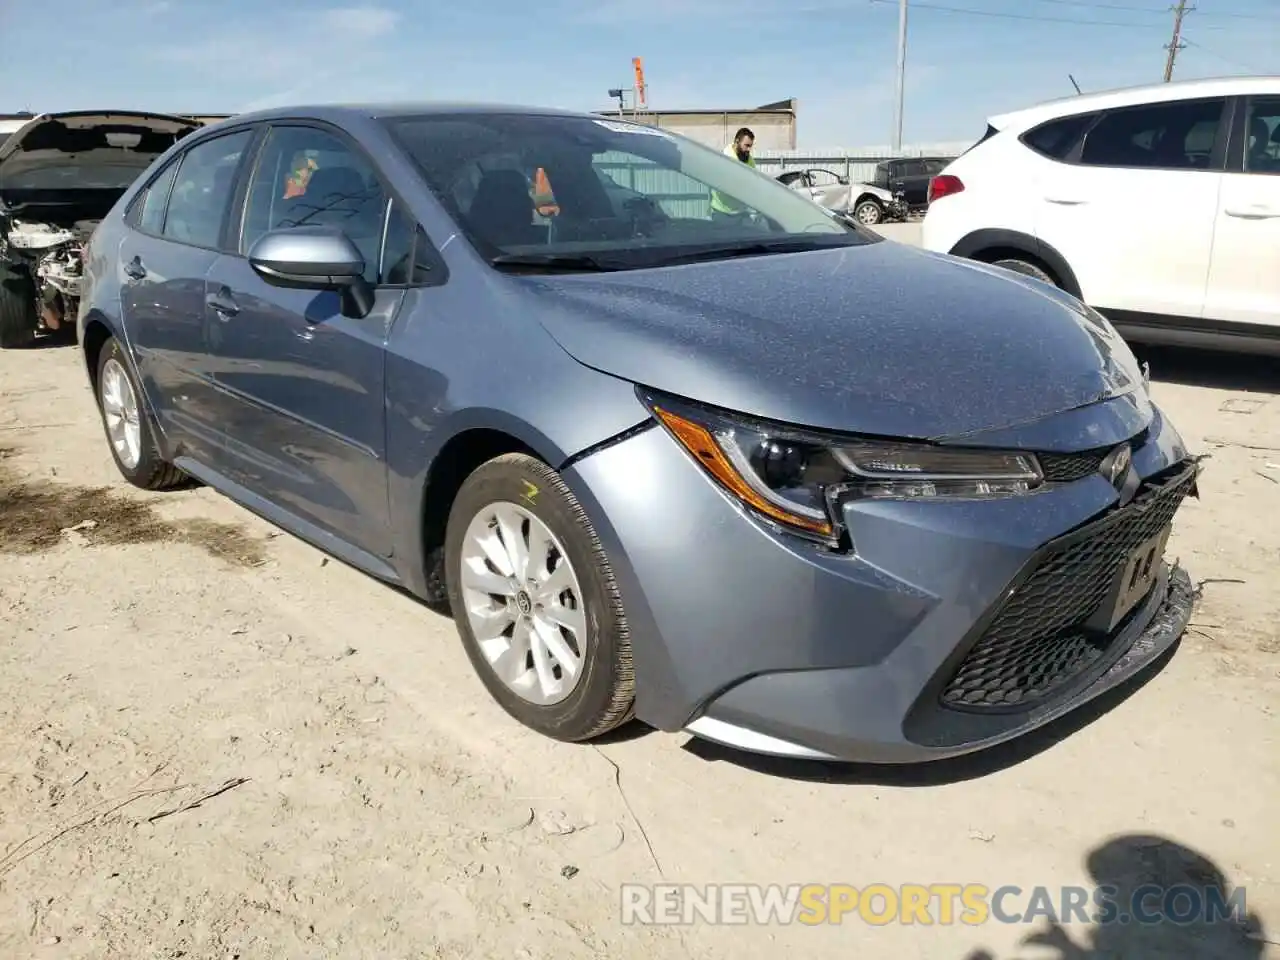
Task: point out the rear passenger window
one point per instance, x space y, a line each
306 176
1055 138
1165 136
202 189
151 215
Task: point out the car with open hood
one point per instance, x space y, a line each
764 477
60 173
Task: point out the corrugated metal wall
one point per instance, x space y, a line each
681 196
678 195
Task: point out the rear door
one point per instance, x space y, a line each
176 228
1132 207
914 175
1244 276
303 386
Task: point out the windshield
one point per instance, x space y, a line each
588 193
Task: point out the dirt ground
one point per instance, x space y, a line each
215 742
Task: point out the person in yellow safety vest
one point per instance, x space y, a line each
722 205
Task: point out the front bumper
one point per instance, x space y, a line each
895 653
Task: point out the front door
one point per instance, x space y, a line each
303 385
176 227
1244 279
1132 209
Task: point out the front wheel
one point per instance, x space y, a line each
868 213
17 307
535 601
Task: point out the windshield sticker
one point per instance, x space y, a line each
643 131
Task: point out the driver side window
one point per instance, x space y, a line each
306 176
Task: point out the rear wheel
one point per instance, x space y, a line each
868 213
131 433
17 307
1018 265
535 601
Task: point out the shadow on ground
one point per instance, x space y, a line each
1154 899
1210 368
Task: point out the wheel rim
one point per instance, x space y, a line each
524 603
120 411
867 213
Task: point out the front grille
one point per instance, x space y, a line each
1069 467
1037 641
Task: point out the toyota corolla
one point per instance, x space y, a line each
756 475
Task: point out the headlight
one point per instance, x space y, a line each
800 479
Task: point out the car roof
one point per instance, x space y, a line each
338 112
1132 96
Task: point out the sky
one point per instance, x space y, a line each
966 59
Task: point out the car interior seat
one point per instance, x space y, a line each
1258 150
340 197
502 210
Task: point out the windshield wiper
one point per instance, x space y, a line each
752 249
552 261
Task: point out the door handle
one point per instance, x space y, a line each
134 269
1066 201
223 304
1252 213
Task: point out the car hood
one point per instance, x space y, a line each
64 167
877 339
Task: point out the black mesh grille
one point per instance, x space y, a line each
1068 467
1038 641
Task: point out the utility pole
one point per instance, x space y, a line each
900 84
1176 44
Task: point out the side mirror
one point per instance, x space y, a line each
843 181
313 258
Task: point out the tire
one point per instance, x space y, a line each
150 471
18 319
1025 267
524 490
868 213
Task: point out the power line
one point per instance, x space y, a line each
1217 56
1018 16
1129 8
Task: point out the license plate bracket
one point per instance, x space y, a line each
1132 583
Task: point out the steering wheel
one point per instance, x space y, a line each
645 214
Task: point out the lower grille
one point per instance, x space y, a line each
1038 640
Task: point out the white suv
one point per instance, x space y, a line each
1158 205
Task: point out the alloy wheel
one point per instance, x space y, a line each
120 410
524 603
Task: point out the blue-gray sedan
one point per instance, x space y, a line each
756 475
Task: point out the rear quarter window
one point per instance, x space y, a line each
1055 139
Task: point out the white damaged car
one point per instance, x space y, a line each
60 173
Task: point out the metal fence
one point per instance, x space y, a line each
682 196
856 163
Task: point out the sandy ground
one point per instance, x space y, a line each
215 742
